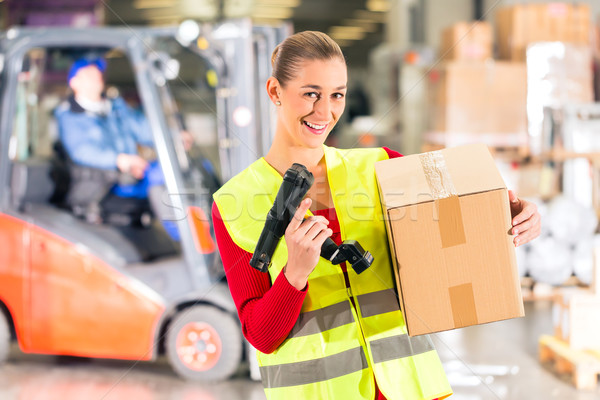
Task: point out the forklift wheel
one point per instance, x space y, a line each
204 344
4 337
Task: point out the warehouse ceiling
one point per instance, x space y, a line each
357 25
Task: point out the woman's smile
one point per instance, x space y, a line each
315 128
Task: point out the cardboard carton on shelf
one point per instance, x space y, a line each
519 25
448 223
538 180
480 98
467 41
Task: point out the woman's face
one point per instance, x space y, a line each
313 101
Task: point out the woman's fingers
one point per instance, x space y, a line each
526 225
314 230
527 236
299 215
322 236
527 230
307 224
529 209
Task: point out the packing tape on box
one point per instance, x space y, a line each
450 222
462 302
452 232
437 175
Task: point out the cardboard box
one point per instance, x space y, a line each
576 318
467 41
522 24
537 179
480 98
448 221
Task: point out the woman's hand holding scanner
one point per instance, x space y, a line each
526 220
304 238
296 182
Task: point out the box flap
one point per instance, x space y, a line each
424 177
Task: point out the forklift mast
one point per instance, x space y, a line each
153 302
225 47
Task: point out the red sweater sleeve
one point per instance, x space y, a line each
267 312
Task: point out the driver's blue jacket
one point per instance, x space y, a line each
95 139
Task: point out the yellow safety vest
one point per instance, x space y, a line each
336 351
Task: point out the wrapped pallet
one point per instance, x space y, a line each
549 261
580 128
565 244
557 74
583 259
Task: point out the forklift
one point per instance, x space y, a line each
125 289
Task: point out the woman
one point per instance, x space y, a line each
322 331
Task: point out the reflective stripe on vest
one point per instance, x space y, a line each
380 302
339 314
335 351
311 371
400 346
322 319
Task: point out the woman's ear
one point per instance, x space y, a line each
273 90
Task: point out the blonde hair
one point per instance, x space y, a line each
302 46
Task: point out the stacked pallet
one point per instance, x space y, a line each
583 366
575 346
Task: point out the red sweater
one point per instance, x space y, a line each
267 312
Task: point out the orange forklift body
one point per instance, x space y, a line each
50 291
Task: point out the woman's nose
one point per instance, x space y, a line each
322 108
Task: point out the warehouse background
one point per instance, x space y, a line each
522 77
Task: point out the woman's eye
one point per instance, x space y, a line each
312 95
338 95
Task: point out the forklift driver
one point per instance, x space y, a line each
99 138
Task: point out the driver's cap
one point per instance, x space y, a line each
100 63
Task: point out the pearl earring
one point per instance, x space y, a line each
278 103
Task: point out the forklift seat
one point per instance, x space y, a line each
32 188
31 182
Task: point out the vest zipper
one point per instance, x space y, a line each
362 338
352 300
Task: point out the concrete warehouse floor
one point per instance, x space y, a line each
493 361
